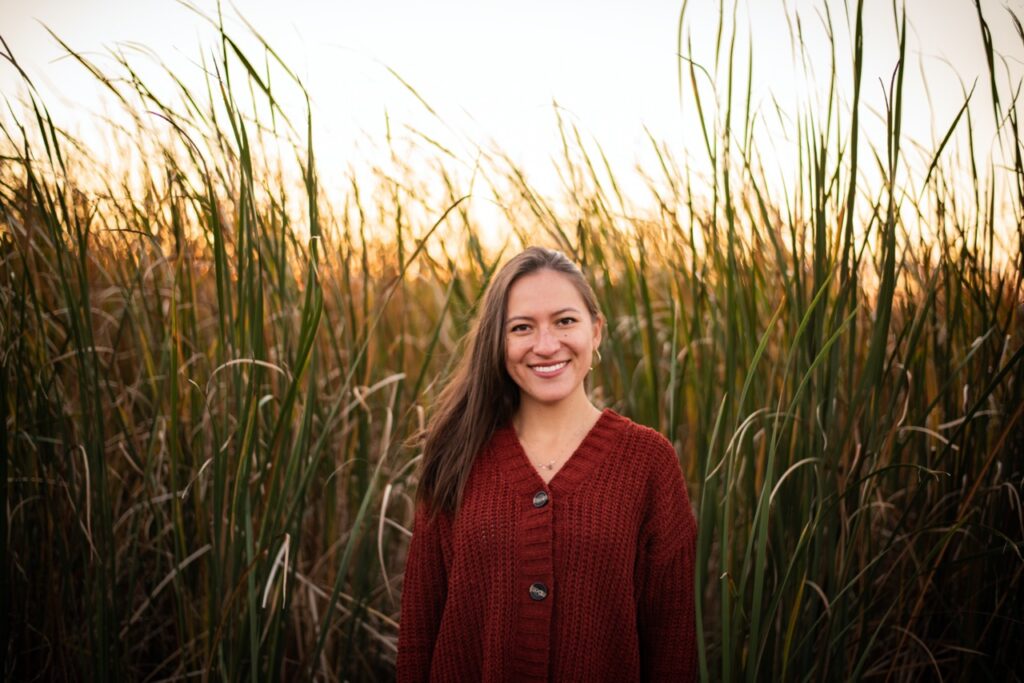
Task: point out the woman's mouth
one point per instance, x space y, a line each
550 369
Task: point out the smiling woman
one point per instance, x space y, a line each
553 540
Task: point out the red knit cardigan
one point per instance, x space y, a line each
588 578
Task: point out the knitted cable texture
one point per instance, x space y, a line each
588 578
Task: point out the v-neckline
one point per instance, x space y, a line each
596 444
540 469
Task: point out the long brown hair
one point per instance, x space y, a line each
481 396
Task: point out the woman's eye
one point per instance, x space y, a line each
566 321
521 327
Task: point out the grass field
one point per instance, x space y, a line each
211 368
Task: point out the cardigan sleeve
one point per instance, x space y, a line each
665 604
424 591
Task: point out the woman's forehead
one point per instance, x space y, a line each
545 292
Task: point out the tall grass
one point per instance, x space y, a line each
210 370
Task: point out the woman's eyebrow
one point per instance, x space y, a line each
553 314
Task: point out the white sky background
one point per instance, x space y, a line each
491 69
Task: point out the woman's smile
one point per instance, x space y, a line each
550 369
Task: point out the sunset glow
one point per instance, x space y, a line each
492 72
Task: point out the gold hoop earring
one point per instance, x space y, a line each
597 352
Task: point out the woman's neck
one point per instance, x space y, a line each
544 421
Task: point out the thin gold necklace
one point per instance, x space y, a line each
580 434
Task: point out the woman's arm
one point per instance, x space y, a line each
666 623
424 591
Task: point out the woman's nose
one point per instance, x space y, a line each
547 342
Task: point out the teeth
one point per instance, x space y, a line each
551 368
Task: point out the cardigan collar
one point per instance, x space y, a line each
520 473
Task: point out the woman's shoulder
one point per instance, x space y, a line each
644 444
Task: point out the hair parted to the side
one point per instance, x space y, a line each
481 396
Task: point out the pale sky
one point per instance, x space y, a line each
491 69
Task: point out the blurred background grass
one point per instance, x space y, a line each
211 367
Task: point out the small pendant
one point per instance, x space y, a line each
549 466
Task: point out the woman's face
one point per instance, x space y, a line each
549 337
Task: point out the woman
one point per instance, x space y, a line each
552 541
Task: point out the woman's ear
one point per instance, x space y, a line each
598 328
